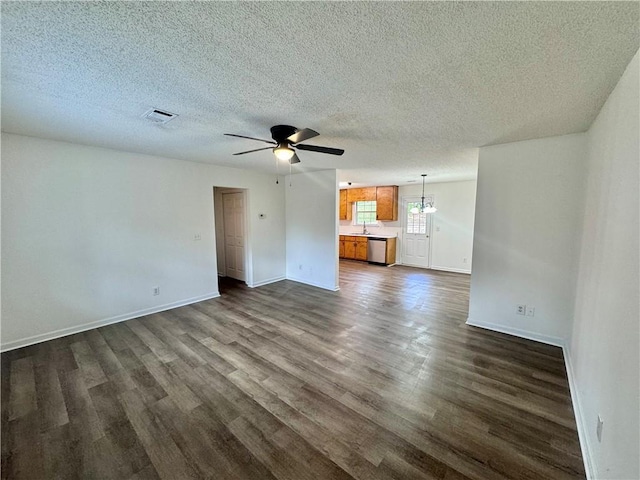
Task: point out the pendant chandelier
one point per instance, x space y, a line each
424 207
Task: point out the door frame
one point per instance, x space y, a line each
403 205
219 231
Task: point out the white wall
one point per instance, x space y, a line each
557 226
452 229
528 217
606 337
87 232
312 228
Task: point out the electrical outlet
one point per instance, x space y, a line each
156 291
521 309
531 311
599 428
197 237
464 260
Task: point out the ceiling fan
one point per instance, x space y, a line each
285 139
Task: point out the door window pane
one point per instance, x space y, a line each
416 222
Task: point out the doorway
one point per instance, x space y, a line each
416 234
230 224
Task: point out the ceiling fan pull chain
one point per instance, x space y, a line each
289 173
277 174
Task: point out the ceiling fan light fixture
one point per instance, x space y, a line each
283 152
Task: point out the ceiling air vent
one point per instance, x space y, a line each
159 116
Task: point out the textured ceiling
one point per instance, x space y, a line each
403 87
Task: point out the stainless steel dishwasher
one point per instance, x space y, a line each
377 250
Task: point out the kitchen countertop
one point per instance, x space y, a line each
374 235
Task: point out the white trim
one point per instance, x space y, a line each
587 453
453 270
248 270
585 447
313 284
267 281
63 332
414 266
549 340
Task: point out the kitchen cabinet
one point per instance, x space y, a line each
345 206
386 198
352 247
387 203
349 247
361 248
391 251
361 194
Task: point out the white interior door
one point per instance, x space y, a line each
416 234
234 235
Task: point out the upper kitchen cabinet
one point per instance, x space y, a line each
345 206
386 199
361 194
387 203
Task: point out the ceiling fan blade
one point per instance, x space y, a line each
293 160
302 135
315 148
256 150
250 138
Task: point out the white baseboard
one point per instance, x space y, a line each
63 332
453 270
549 340
441 269
585 447
266 282
587 454
313 284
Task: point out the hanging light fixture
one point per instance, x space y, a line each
424 207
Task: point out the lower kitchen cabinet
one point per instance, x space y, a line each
361 248
353 248
391 251
356 248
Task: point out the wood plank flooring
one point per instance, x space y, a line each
380 380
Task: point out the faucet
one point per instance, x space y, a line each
364 228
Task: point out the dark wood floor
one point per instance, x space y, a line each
379 380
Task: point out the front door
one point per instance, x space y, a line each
416 233
234 220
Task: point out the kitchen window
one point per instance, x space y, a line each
365 213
